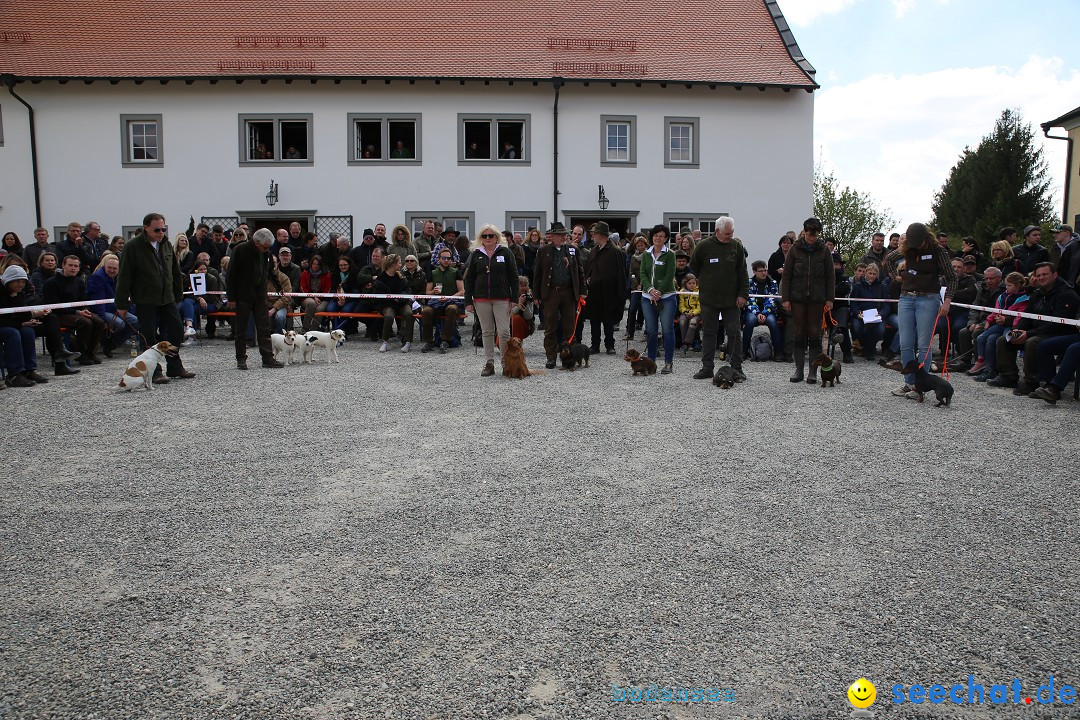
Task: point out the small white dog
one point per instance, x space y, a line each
288 343
141 370
327 340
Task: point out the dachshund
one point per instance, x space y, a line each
641 365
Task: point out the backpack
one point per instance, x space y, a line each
761 347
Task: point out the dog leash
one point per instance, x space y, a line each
580 307
930 347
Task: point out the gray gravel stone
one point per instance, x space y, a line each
396 537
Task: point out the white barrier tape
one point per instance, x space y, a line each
368 296
54 306
1014 313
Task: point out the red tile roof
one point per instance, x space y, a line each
717 41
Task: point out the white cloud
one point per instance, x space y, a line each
804 12
898 137
902 7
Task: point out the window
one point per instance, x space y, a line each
681 140
493 140
520 222
463 222
140 141
705 222
384 139
618 140
276 139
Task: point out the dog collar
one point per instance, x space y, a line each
827 369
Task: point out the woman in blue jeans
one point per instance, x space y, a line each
920 297
658 299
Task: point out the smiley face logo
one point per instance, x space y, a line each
862 693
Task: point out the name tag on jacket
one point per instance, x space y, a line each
500 258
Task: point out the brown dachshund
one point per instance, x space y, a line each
641 365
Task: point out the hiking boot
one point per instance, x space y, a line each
704 374
489 369
914 395
20 380
1050 394
902 391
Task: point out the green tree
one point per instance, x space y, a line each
1002 182
847 216
190 232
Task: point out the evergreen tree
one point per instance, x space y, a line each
1002 182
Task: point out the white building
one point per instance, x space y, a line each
682 112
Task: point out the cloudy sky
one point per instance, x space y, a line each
907 84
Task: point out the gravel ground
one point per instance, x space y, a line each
358 541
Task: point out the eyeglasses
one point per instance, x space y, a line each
488 236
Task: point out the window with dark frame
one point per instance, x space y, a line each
494 139
143 137
282 139
384 139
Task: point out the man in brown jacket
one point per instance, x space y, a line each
558 283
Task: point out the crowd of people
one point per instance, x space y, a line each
682 290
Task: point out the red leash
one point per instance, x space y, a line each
580 307
930 347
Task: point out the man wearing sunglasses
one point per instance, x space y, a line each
149 277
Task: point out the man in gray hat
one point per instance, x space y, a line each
558 283
605 277
1031 252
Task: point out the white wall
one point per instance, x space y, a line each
756 154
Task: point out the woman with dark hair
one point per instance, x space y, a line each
658 299
314 280
116 247
807 290
46 269
776 260
309 247
11 244
920 299
391 282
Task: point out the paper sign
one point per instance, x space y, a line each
871 316
198 283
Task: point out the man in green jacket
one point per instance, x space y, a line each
719 263
149 277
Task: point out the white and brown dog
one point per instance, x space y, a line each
289 343
327 340
141 370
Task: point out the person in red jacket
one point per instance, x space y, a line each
314 280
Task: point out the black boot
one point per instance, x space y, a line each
800 360
811 378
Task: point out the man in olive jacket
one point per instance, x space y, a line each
719 263
149 277
246 281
